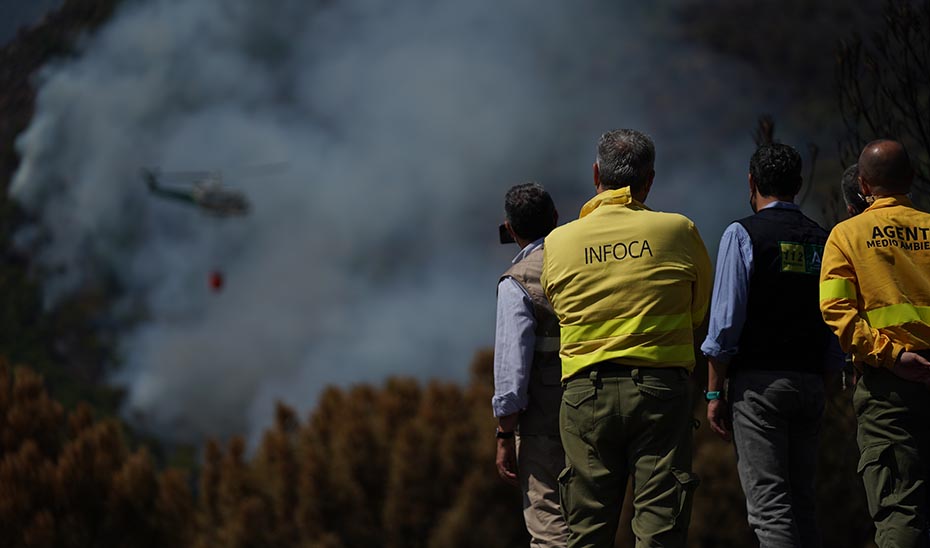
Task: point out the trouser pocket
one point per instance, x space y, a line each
687 482
895 493
564 480
876 463
663 384
576 414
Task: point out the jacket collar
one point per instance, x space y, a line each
620 196
530 247
890 201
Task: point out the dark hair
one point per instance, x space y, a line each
625 157
530 210
776 170
849 186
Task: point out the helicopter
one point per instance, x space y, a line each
206 191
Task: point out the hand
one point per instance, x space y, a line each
718 417
507 461
913 367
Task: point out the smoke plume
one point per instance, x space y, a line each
402 124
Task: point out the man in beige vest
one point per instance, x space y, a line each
527 388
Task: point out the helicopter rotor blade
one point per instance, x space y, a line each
187 176
258 170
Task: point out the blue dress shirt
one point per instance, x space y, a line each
514 340
731 294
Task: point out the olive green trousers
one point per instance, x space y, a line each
894 456
617 422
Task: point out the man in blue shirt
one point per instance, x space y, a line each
766 336
527 370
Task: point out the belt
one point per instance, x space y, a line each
613 369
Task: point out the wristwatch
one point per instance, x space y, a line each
711 395
502 435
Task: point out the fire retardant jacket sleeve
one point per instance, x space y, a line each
703 281
839 305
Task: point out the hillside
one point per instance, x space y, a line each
60 343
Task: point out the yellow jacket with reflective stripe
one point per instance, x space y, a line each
875 281
628 285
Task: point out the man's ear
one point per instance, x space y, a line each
752 184
597 176
864 187
648 186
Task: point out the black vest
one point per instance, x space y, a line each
784 330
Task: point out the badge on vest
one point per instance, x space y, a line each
803 258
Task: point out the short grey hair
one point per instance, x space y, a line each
625 157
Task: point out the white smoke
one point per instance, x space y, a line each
403 124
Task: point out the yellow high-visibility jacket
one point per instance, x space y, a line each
628 285
875 281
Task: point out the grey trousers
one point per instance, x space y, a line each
540 459
776 427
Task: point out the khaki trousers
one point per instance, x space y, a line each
540 459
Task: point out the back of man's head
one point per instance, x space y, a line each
530 211
849 186
625 157
776 170
885 166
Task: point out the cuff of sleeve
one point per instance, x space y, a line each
505 404
895 355
712 350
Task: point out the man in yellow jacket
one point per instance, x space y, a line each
628 285
875 295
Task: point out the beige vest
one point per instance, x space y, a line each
541 416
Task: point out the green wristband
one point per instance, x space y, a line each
713 395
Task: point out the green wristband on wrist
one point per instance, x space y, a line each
712 395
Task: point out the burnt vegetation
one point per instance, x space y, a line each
399 466
883 86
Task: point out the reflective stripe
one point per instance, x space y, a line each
624 326
837 288
547 344
898 314
670 356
